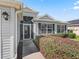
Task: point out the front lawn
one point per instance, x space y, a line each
53 47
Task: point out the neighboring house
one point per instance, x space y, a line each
74 26
18 24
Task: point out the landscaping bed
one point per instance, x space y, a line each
55 47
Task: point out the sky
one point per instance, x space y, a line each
64 10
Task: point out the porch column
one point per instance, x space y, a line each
66 28
37 31
55 28
35 28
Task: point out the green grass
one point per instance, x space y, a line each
77 38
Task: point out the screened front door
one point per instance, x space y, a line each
26 31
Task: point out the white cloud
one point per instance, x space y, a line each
77 2
76 8
76 5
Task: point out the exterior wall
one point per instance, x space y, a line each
8 34
0 35
29 14
75 29
36 30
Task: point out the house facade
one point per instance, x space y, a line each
8 28
33 25
74 26
46 25
18 24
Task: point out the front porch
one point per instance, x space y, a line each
31 30
48 28
31 26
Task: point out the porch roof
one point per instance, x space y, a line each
12 4
74 21
48 19
57 22
26 11
29 10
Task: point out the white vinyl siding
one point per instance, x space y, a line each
8 34
0 35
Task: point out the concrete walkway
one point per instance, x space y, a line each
36 55
29 48
30 51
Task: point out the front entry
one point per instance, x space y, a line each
26 31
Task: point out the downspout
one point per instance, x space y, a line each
1 36
20 43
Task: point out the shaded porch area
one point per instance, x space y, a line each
26 48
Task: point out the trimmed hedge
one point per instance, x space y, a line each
55 47
70 35
37 41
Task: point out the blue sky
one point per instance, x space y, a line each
64 10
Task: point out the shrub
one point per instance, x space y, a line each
36 41
56 50
70 31
55 47
71 35
64 35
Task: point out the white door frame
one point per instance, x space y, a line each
30 31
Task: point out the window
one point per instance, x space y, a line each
58 28
50 28
61 28
46 28
42 28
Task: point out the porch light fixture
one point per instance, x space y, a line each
5 15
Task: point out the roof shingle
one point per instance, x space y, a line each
74 21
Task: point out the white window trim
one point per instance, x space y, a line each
47 32
23 31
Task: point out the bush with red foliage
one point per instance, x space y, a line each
55 47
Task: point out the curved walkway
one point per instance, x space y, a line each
36 55
29 48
